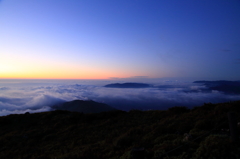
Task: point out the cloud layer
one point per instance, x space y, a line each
39 97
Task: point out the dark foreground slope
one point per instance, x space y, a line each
176 133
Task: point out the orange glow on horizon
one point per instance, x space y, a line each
61 74
53 75
45 69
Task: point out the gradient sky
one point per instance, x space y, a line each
100 39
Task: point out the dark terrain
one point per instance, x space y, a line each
84 106
227 87
177 133
128 85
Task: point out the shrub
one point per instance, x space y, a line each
216 147
178 110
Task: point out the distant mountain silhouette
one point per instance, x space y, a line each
84 106
128 85
228 87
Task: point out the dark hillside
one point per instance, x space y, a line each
227 87
201 132
128 85
84 106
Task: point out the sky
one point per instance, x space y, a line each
108 39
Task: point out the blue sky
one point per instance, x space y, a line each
100 39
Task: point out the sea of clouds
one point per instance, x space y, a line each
20 96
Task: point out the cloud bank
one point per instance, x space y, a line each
21 98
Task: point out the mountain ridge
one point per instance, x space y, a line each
128 85
83 106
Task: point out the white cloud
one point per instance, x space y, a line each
17 111
42 97
43 100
